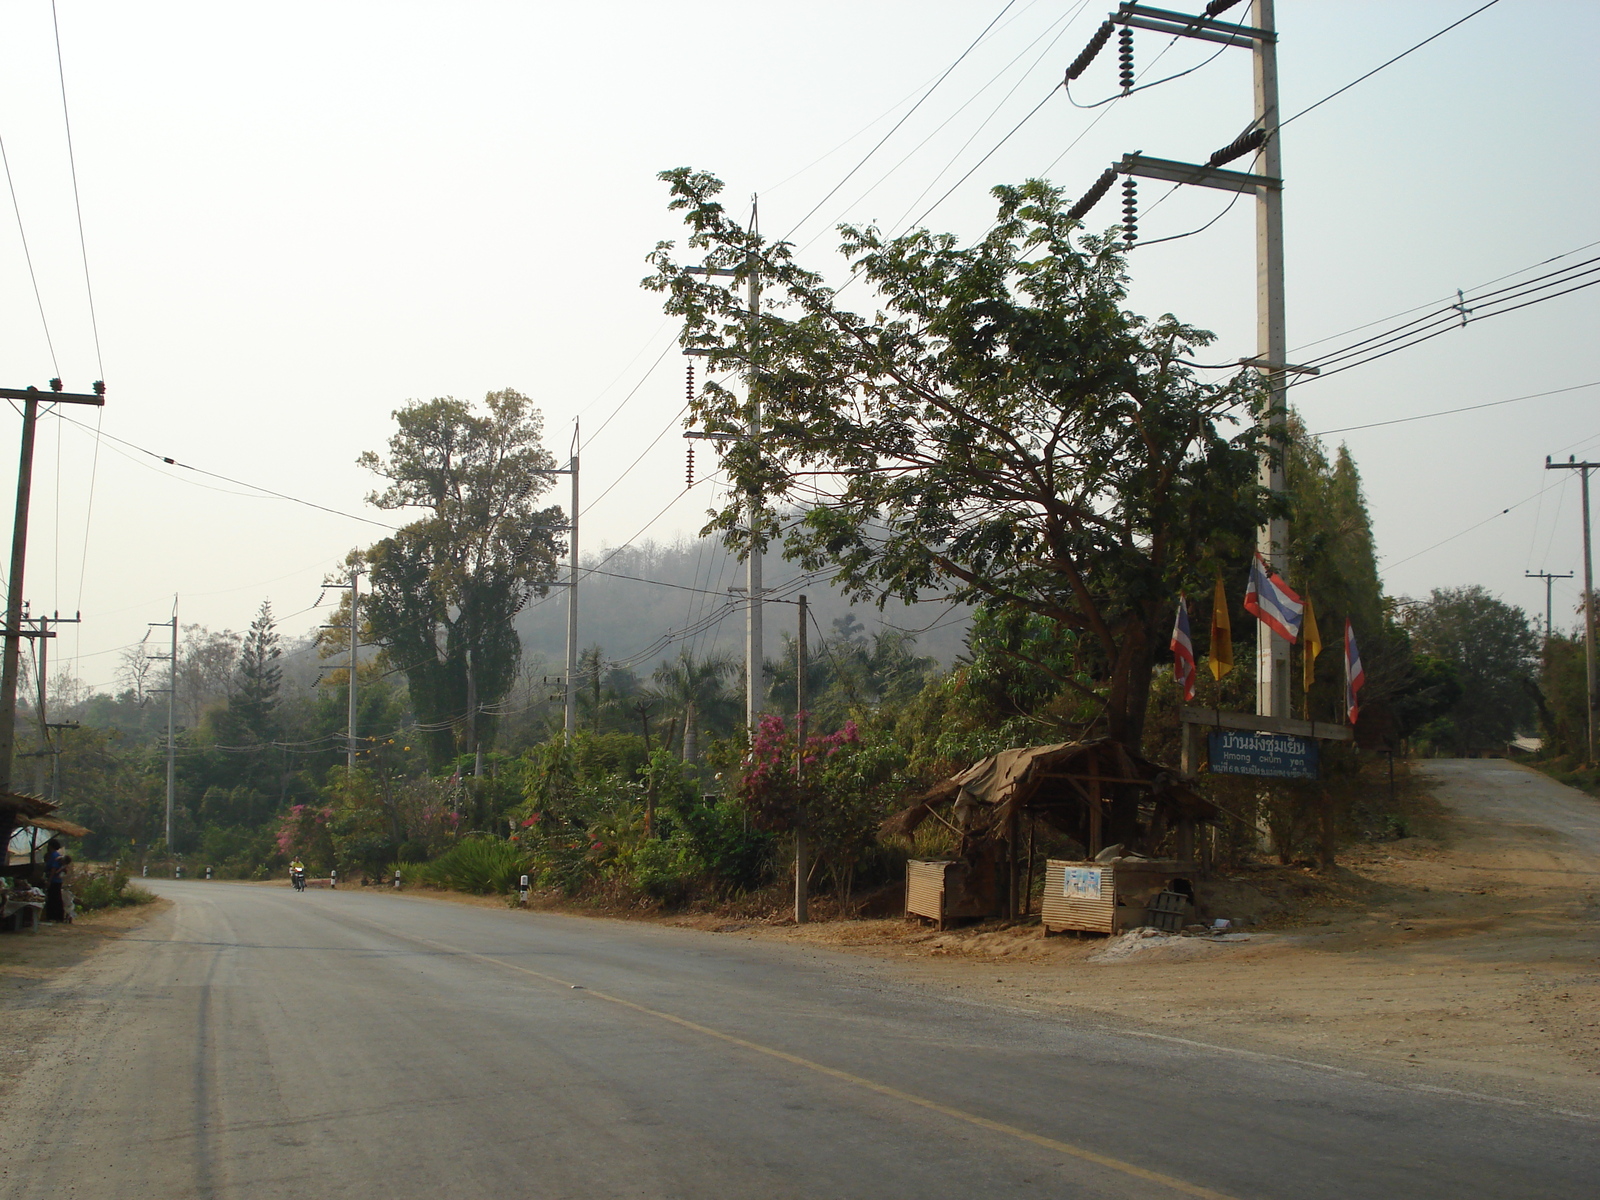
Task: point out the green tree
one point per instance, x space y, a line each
1000 430
445 588
1494 651
696 690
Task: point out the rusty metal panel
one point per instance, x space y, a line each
1091 906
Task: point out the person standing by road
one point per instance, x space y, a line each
54 876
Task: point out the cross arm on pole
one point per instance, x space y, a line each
98 399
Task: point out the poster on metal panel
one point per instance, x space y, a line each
1082 883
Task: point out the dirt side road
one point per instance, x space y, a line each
1467 958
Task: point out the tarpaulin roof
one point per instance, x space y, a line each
1055 782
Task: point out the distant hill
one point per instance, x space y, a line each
644 604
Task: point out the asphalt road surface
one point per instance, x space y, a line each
255 1043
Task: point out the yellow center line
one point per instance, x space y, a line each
1181 1186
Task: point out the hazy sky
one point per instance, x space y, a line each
299 216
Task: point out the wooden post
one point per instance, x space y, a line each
1012 833
1096 832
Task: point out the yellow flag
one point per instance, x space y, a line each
1310 642
1220 659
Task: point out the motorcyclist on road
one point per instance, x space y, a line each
297 875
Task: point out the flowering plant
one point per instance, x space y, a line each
783 779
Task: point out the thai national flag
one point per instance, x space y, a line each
1183 652
1272 601
1354 676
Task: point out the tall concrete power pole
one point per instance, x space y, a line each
569 715
755 645
172 714
1272 540
1583 469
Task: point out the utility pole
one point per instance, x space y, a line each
1583 468
31 398
45 724
1266 184
569 717
172 714
1548 580
801 866
354 629
1272 540
754 655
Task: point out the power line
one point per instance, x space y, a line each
254 487
834 190
28 256
1390 63
1449 412
77 203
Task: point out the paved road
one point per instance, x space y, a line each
1516 802
257 1044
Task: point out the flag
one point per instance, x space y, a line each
1310 643
1272 601
1354 676
1183 652
1221 657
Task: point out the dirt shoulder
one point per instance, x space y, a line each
33 963
1468 957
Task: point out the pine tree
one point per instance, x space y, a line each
254 706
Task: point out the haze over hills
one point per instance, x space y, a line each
644 604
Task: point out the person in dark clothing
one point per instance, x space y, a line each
55 873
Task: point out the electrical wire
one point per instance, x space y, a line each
1450 412
849 174
98 435
1067 85
1471 528
77 202
27 255
1390 63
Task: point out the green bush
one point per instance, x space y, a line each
665 870
108 889
478 865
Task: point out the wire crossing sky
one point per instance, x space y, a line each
276 225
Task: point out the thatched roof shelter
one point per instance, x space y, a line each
1086 790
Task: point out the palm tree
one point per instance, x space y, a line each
695 689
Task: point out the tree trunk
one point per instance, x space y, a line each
689 746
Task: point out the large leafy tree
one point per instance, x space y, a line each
1494 652
997 428
445 587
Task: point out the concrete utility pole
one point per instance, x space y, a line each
802 868
1583 468
569 719
44 635
172 714
754 650
754 655
1548 580
14 633
354 631
1266 184
1272 540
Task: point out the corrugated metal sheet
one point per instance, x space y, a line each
1085 913
925 889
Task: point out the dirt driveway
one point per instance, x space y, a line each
1467 958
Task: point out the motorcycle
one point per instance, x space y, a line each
298 878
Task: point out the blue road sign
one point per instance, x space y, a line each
1275 755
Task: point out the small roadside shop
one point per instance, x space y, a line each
1099 793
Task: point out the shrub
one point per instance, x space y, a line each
477 865
665 870
107 889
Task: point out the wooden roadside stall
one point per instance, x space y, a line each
22 869
1099 793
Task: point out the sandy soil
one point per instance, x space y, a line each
35 976
1467 958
